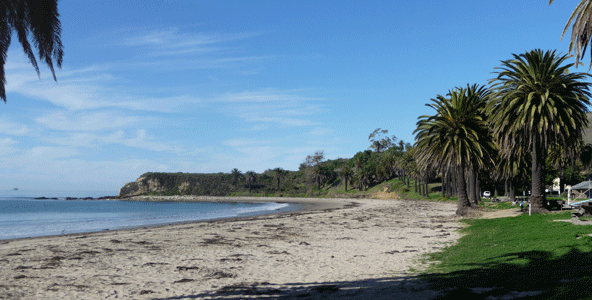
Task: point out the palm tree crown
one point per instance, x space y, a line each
538 103
38 19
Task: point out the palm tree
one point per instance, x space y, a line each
347 174
279 174
251 178
538 103
456 137
320 173
236 175
363 177
581 31
38 20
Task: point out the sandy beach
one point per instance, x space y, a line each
333 249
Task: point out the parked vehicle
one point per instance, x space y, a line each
487 194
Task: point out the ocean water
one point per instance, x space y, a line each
23 216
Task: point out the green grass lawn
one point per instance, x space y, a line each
496 257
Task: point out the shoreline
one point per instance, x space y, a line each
305 204
338 247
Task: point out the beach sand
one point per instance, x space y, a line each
333 249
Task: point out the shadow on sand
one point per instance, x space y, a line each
542 277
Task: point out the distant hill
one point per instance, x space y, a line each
214 184
292 183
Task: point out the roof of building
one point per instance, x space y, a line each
584 185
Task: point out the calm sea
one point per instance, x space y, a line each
22 216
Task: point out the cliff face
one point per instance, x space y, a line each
141 186
218 184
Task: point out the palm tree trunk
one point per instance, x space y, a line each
443 190
478 187
472 187
511 191
538 181
463 205
426 188
454 186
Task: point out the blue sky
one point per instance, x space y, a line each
207 86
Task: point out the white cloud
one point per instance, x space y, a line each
139 139
86 121
6 146
49 153
244 142
321 131
267 95
172 38
12 128
283 108
142 140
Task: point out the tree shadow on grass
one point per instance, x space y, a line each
542 277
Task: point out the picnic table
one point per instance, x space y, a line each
584 208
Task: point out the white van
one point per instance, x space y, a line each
487 194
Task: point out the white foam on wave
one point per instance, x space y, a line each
264 207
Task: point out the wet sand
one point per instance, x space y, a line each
333 249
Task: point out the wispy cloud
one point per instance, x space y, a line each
285 108
12 128
136 139
173 41
80 90
86 121
6 146
268 95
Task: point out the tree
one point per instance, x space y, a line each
456 137
537 103
315 159
236 175
251 178
581 31
347 174
312 165
379 141
38 19
279 174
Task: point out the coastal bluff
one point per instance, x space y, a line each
152 183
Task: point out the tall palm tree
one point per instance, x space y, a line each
581 31
251 177
538 103
456 137
347 174
237 175
279 174
37 19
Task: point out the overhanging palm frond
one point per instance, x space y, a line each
38 19
581 31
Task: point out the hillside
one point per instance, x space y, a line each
214 184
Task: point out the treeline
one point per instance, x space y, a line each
385 159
